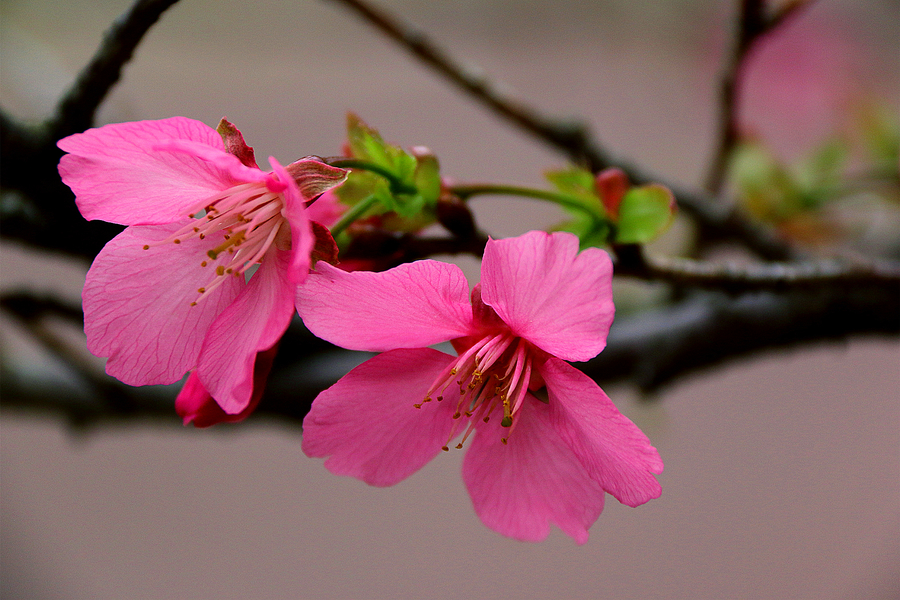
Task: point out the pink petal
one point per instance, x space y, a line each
410 306
302 239
327 210
230 166
313 177
548 293
119 175
520 488
254 322
612 448
367 424
194 403
235 144
137 304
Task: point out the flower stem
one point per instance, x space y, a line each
355 212
466 191
398 186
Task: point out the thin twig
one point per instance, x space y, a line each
752 26
570 137
715 221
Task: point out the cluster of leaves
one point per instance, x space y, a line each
607 210
794 197
398 189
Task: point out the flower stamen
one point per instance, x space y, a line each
248 217
494 372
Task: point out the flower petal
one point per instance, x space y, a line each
410 306
119 175
254 322
612 448
137 304
194 403
327 210
520 488
313 177
302 239
367 424
548 293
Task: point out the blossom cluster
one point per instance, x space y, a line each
217 257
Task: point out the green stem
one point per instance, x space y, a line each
398 186
466 191
355 212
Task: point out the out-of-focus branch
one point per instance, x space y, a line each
751 26
572 137
44 213
732 278
715 221
78 105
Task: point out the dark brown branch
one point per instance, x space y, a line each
44 214
752 26
733 278
570 137
650 350
77 107
658 348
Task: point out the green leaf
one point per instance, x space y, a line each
578 184
823 169
644 214
366 144
418 183
766 188
427 177
589 219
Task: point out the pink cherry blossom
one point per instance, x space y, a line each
204 277
546 444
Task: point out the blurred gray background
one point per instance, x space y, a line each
782 473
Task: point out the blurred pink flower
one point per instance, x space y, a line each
537 457
176 291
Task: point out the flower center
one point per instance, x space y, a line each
249 219
493 374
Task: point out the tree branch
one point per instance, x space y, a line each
752 26
77 108
732 278
650 350
659 348
46 215
573 139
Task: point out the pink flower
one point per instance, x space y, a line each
176 291
195 406
538 456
